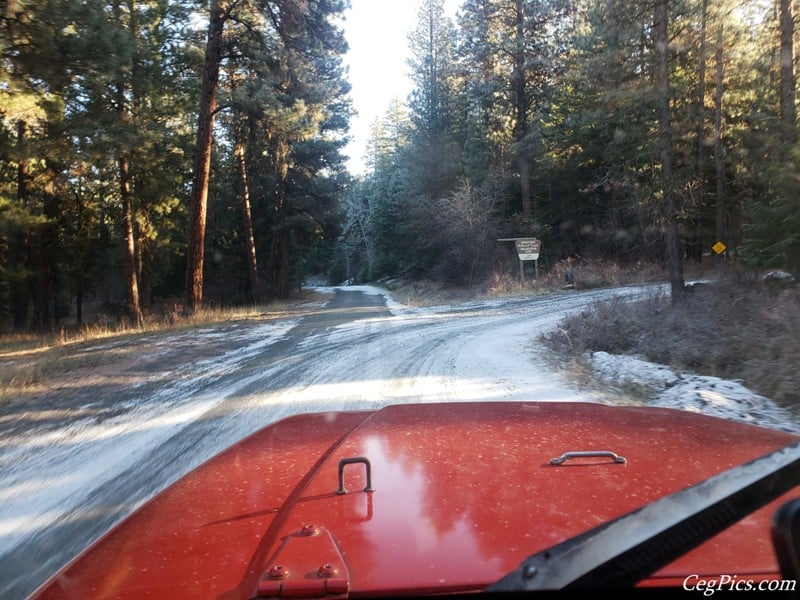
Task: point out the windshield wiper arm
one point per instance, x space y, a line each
624 551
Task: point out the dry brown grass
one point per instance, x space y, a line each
586 274
426 292
733 329
575 274
27 360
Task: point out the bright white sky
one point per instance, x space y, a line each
377 32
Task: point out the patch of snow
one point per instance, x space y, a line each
315 281
778 276
628 369
695 393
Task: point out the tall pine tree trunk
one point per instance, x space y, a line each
124 109
700 164
249 237
673 253
201 169
279 255
131 276
719 148
521 112
788 83
43 252
19 251
138 101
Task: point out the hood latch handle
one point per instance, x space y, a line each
349 461
558 460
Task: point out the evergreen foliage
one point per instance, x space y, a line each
99 106
527 118
547 117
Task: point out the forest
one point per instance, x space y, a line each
193 150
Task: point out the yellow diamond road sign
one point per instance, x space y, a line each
719 247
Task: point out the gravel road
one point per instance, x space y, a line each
81 454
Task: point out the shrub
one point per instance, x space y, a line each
729 329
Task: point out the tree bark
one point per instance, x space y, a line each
43 251
719 148
19 252
673 253
279 256
131 276
249 236
367 248
700 164
124 109
201 169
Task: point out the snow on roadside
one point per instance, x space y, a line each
695 393
45 474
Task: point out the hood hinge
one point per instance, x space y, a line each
325 588
308 564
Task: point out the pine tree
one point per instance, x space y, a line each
517 49
433 152
772 238
201 169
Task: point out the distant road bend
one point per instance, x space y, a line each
110 443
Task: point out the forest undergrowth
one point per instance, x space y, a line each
736 327
30 358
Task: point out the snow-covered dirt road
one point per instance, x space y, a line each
75 464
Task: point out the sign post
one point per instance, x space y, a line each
527 249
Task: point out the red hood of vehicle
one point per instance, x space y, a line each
462 494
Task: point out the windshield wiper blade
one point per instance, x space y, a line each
627 549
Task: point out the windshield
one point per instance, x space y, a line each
219 216
639 543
